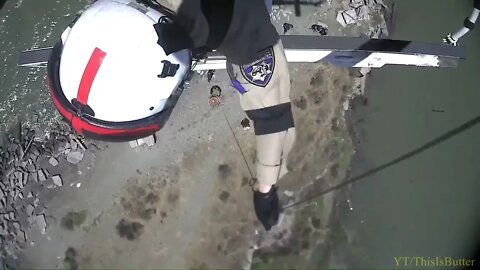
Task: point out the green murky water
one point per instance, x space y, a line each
27 24
427 205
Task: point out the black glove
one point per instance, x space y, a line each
267 207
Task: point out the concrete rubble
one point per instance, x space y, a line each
57 180
23 180
149 141
53 161
358 11
74 157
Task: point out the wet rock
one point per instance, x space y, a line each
20 181
346 17
42 176
356 3
73 144
29 210
31 167
57 152
21 237
363 13
3 186
150 140
34 150
22 218
133 144
35 202
53 161
20 153
39 209
74 157
9 171
375 32
57 180
25 178
3 229
21 163
41 223
33 177
18 229
32 158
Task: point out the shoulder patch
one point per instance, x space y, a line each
260 72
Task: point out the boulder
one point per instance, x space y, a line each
53 161
74 157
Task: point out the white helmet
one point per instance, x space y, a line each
112 70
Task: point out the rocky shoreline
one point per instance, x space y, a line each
25 179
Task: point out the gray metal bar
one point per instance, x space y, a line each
33 58
370 45
355 48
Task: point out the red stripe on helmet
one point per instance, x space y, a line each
89 75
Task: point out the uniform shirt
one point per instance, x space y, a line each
239 29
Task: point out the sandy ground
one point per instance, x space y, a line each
186 202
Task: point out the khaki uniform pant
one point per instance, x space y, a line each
267 103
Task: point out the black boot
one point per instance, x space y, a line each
267 207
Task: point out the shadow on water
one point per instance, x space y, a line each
450 134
